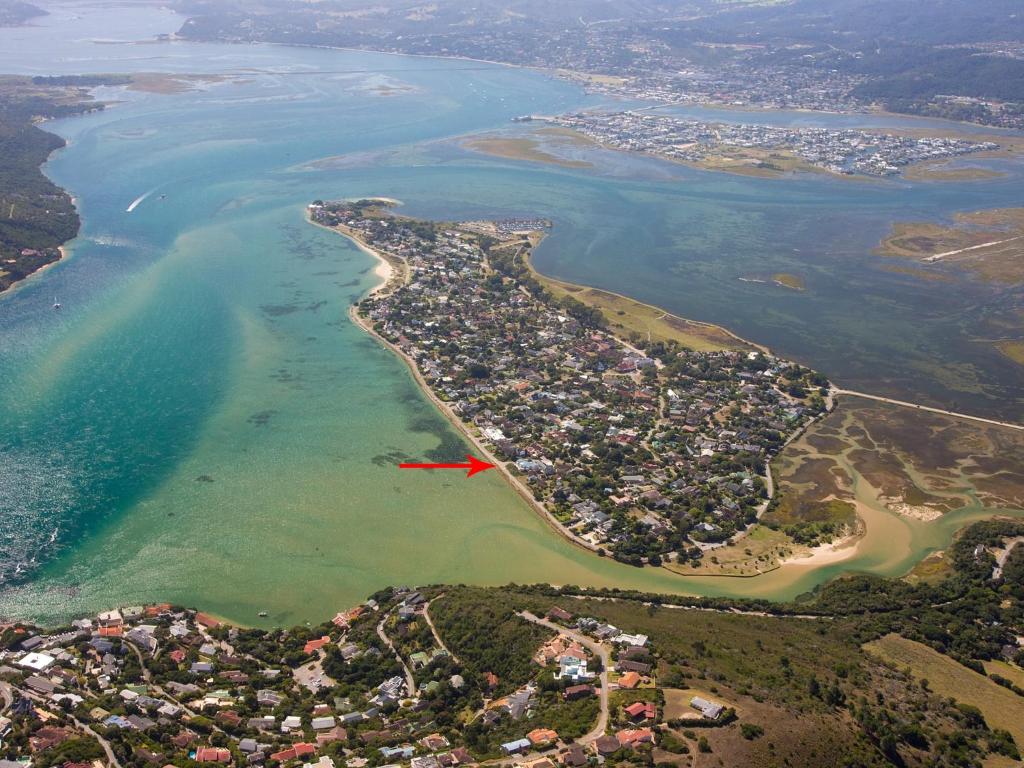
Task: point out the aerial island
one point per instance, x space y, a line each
765 148
646 451
867 672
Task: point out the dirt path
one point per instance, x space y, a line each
410 681
930 409
433 630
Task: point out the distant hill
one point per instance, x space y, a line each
906 55
14 12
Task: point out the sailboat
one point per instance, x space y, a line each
56 304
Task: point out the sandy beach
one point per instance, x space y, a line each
826 554
484 452
393 272
390 268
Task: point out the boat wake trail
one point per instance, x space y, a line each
138 200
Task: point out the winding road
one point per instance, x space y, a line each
111 757
410 681
599 650
433 629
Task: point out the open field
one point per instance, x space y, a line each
987 244
939 170
750 161
158 82
787 280
520 148
1002 708
931 570
627 317
591 78
1012 349
1011 672
761 551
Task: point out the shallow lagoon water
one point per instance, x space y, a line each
201 422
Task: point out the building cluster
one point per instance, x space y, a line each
646 454
170 686
840 151
164 686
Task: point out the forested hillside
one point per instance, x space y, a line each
36 216
842 677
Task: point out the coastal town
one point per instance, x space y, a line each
375 686
651 453
849 152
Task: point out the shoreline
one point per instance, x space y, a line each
446 411
395 273
400 276
65 253
569 286
565 75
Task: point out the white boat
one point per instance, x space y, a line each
56 304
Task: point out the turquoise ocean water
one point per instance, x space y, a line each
201 422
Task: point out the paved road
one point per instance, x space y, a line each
930 409
111 757
599 650
6 695
410 681
142 662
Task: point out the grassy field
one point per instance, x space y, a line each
628 317
677 702
787 280
1013 350
1002 708
1011 672
987 243
759 552
938 171
931 570
514 148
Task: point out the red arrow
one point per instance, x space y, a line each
474 466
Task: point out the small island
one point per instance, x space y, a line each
645 450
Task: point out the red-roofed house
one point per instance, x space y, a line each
633 736
580 691
206 620
345 618
629 680
639 711
301 749
315 645
213 755
540 736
